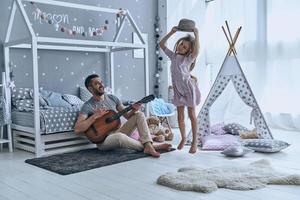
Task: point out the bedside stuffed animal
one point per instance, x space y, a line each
164 134
159 133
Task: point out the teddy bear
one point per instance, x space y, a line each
158 132
248 134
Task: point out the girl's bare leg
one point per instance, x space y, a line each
192 116
180 117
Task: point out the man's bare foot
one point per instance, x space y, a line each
181 144
164 146
193 148
149 149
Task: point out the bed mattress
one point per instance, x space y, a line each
52 120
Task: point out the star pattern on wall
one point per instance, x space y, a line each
69 67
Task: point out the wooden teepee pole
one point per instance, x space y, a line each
236 35
228 29
230 46
231 41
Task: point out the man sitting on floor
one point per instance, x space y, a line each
99 104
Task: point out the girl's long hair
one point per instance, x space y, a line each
192 42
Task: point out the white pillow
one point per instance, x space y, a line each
236 151
84 94
72 99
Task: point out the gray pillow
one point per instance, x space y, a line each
236 151
42 101
265 145
20 93
235 128
84 94
54 99
24 104
72 99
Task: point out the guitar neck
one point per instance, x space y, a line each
121 113
127 109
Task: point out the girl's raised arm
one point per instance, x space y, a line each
197 45
166 37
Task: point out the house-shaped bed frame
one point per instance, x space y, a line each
31 139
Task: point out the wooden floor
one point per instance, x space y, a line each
136 179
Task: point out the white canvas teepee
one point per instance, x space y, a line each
231 71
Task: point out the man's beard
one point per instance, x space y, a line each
98 93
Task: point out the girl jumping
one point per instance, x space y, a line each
186 91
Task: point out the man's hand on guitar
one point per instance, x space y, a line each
105 121
136 106
99 113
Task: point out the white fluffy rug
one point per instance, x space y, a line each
253 176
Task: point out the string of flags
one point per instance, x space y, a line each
71 32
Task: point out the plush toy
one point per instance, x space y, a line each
158 132
153 120
248 134
154 127
166 133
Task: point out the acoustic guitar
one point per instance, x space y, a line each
109 122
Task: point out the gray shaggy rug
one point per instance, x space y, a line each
70 163
236 177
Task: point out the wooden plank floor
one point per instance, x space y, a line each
136 179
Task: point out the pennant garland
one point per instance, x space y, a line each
69 31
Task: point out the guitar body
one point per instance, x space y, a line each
101 127
109 122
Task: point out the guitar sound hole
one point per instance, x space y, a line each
108 120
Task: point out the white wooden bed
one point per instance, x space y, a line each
24 138
31 139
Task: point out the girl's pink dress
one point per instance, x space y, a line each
186 90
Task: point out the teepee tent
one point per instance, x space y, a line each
231 71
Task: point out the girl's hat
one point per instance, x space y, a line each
186 25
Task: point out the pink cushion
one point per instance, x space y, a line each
135 135
218 142
217 129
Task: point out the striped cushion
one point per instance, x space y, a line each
84 94
72 99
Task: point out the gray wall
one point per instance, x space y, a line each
64 71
